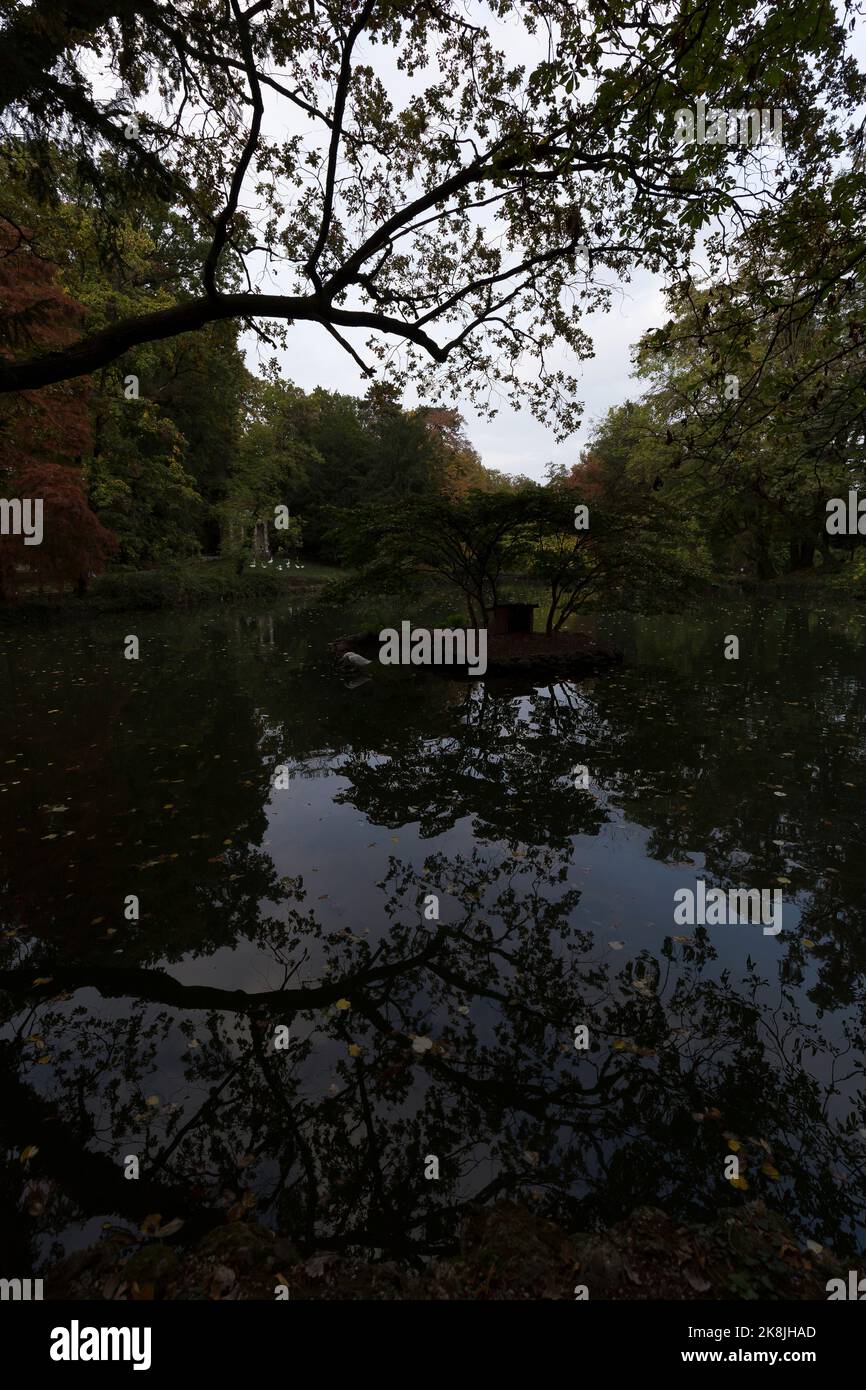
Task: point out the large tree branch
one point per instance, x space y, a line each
223 222
159 987
103 347
343 83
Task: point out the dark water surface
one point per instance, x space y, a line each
303 905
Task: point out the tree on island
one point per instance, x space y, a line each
484 543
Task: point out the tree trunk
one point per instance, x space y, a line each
801 553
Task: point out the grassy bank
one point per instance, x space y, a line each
176 586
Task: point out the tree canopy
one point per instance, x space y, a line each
390 167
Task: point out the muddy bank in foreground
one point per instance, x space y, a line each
506 1253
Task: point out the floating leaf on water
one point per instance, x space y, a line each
171 1228
343 1004
28 1153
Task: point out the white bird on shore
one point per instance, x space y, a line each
354 659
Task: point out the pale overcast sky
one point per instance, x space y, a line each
514 441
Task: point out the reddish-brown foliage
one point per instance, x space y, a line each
44 434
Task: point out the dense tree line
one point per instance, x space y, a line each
180 449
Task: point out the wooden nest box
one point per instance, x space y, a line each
504 618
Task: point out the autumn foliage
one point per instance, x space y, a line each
44 434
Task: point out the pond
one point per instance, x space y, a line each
224 846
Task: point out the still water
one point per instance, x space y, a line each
287 835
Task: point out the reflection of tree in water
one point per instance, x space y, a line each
330 1143
328 1140
725 767
506 762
